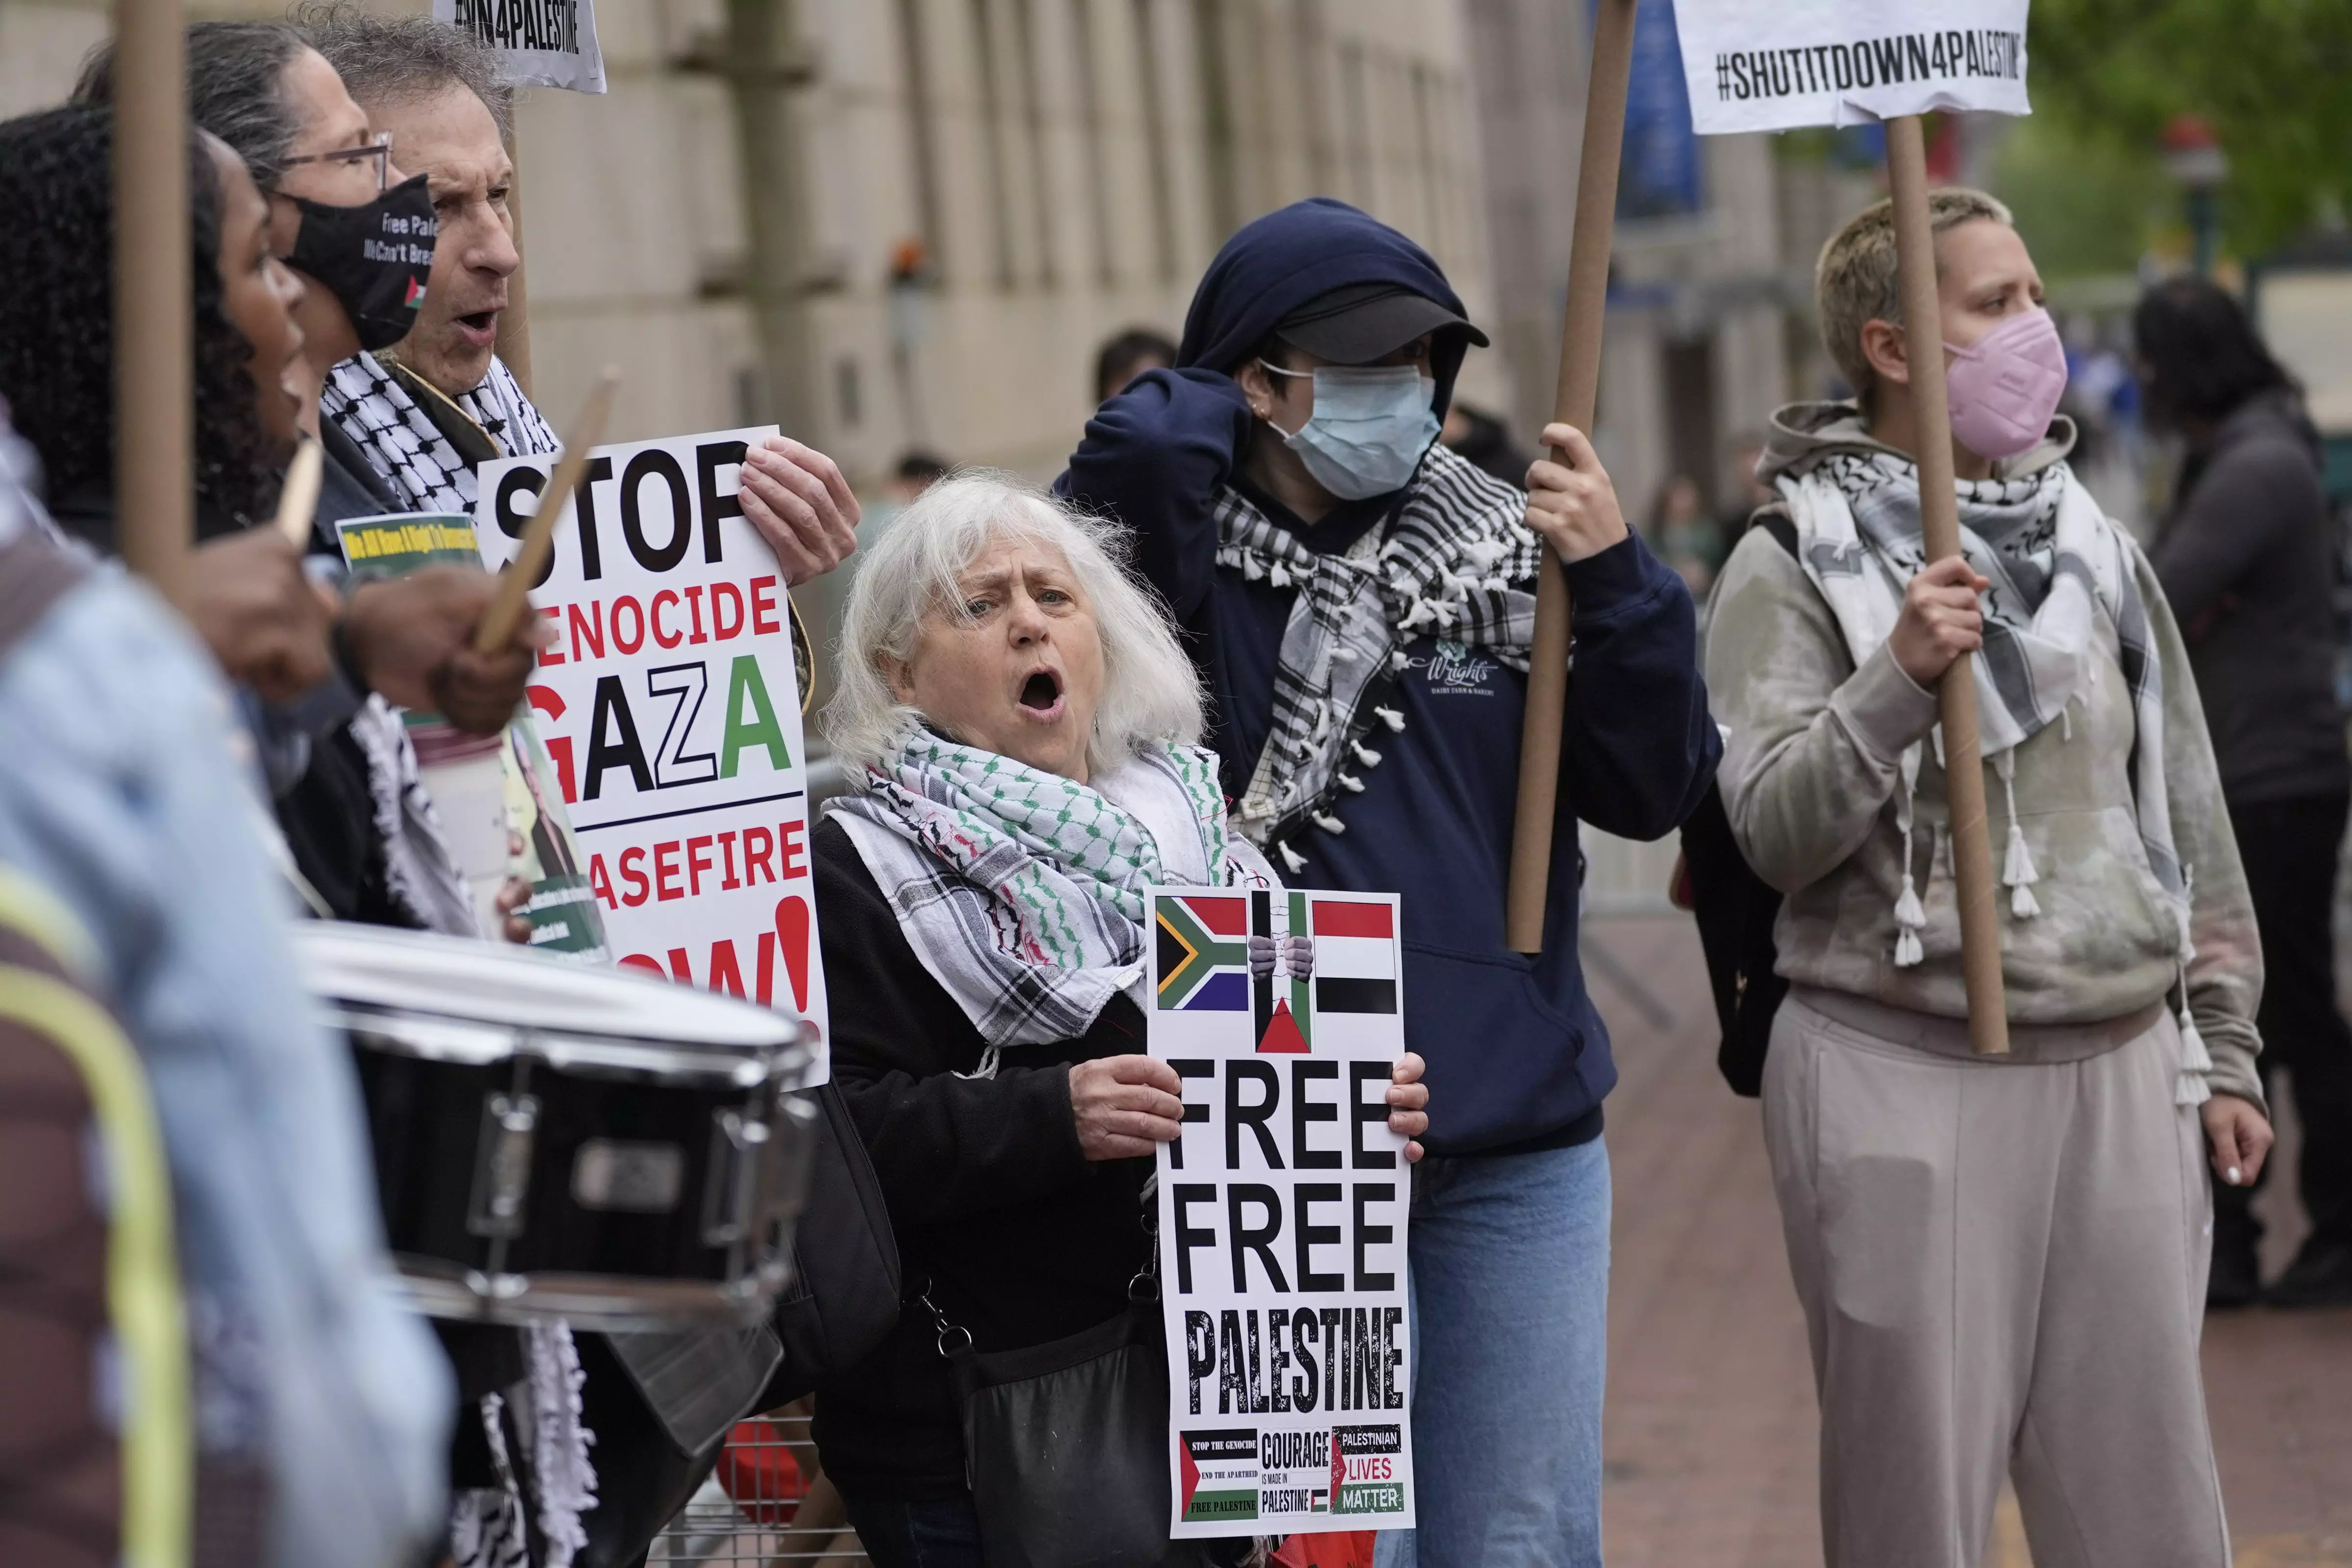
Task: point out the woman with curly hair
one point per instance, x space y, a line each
57 324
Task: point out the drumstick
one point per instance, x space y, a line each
298 498
514 584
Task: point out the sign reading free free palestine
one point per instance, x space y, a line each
1282 1216
669 706
1751 67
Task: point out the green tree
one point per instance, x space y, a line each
2274 78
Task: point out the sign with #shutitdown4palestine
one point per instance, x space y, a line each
1282 1216
1751 67
671 707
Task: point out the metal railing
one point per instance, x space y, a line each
766 1503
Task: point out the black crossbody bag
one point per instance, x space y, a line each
1066 1443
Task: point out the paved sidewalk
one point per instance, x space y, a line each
1711 1422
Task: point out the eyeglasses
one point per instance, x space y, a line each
379 150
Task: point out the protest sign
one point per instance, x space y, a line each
671 711
540 43
494 794
1843 62
1282 1216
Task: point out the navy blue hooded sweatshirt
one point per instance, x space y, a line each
1518 1059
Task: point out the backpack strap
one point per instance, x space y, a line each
46 1013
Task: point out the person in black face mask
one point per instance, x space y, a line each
358 228
359 233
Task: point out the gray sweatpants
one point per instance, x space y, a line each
2002 1266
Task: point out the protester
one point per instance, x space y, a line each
2247 559
1682 534
1999 1260
915 472
424 416
1127 356
1003 680
441 402
1360 599
320 1401
1481 437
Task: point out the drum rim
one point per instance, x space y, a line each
469 1042
436 1288
344 949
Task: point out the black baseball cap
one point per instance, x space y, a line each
1359 323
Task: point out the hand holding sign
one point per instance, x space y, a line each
796 497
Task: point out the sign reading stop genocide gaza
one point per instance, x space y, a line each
669 707
1282 1216
1753 67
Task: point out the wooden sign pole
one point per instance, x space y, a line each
1940 519
1572 403
155 405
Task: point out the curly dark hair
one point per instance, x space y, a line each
2201 355
56 321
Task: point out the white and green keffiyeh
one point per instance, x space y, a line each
1021 892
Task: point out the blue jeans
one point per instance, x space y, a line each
916 1532
1510 1304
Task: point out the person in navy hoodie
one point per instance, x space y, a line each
1360 601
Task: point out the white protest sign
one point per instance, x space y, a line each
670 706
540 43
1281 1217
1753 67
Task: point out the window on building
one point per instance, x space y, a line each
1155 139
1029 81
1216 115
1090 131
922 144
999 215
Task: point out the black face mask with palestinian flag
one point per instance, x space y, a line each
374 258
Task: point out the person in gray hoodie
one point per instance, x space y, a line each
2247 559
2002 1259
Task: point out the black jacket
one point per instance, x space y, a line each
2248 561
1019 1238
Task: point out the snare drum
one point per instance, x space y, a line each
554 1141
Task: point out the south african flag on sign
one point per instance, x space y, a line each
1204 954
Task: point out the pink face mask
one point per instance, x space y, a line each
2005 388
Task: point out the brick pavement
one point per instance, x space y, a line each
1711 1422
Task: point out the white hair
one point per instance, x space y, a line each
1150 692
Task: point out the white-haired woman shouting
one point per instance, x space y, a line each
1025 723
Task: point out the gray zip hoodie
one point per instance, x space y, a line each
1810 774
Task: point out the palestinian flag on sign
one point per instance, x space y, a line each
1203 953
1354 956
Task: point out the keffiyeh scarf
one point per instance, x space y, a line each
1446 566
383 419
1021 890
2057 567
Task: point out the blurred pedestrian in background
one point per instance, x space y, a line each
1482 439
1127 356
915 472
2248 556
1683 535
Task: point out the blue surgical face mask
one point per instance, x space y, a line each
1371 426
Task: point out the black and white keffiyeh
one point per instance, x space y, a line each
1458 561
2058 568
1021 892
382 418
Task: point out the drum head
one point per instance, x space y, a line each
454 998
